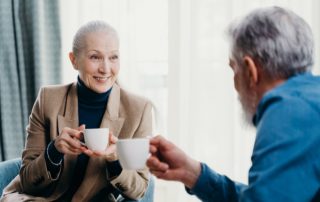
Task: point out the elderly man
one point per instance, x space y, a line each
271 57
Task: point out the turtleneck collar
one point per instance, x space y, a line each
89 97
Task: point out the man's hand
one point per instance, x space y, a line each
168 162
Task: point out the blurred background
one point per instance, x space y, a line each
175 52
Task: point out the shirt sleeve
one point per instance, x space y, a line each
211 186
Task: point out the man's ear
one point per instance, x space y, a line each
252 70
73 60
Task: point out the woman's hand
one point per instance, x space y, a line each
68 142
109 154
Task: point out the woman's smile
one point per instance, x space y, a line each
100 79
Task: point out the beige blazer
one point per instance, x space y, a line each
127 116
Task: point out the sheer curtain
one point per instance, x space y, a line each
175 52
29 57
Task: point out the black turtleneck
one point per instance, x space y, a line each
91 105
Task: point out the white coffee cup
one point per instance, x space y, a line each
133 153
96 139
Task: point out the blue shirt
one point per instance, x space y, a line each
286 154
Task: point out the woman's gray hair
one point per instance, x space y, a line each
277 39
90 27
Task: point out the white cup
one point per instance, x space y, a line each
96 139
133 153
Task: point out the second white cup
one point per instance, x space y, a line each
133 153
96 139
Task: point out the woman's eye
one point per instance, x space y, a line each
114 57
95 57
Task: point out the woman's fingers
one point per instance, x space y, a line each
112 139
76 134
66 149
82 128
68 142
88 152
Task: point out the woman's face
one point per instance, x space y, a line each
98 62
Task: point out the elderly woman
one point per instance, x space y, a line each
55 165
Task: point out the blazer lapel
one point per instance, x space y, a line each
96 166
68 117
111 117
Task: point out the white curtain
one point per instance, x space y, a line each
175 52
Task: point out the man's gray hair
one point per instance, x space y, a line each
277 39
92 26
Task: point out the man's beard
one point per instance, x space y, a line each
248 103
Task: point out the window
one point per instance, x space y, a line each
175 53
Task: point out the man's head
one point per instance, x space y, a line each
268 46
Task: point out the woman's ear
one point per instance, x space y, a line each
73 60
252 70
